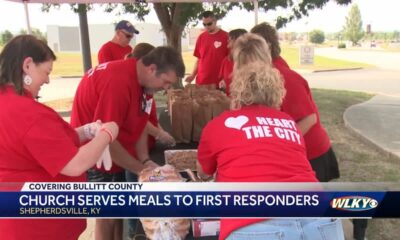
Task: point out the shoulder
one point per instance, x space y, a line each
106 45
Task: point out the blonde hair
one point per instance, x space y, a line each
250 48
255 81
257 84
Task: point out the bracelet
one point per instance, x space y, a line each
108 132
86 132
146 160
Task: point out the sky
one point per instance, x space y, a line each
382 15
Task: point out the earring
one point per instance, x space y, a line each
27 80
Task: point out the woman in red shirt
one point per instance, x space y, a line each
260 144
225 72
37 145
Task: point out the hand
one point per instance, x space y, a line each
222 84
190 78
165 138
113 128
150 164
90 130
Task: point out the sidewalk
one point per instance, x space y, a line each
378 122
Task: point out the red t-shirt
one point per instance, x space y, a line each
259 144
298 103
279 62
36 144
111 51
225 73
210 49
111 92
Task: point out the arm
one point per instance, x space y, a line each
306 123
152 130
192 76
89 154
122 158
125 160
88 131
104 55
159 134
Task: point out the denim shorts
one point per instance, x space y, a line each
291 229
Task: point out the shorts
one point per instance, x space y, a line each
95 175
134 225
326 166
291 229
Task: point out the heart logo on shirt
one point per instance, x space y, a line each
217 44
236 122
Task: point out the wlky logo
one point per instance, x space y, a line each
354 203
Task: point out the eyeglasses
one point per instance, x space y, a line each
207 24
127 35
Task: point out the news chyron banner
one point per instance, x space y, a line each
195 200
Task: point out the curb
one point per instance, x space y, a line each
337 69
364 138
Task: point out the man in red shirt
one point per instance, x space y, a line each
211 48
117 90
118 47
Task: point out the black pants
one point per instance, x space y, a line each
360 228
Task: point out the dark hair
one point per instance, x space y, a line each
234 34
140 50
207 14
270 35
166 59
14 54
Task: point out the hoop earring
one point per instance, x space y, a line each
27 80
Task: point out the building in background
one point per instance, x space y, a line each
67 39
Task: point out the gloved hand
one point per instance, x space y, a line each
105 159
165 138
222 84
90 130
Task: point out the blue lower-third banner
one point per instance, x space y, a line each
193 200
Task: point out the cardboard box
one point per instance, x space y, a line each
205 227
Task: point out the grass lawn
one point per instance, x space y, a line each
291 55
358 161
70 64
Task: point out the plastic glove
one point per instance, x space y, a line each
222 84
165 138
90 130
105 159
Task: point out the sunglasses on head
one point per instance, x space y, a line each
207 24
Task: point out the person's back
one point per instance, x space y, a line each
298 103
118 47
266 139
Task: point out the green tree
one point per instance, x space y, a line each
396 35
6 36
317 36
35 32
353 29
175 17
